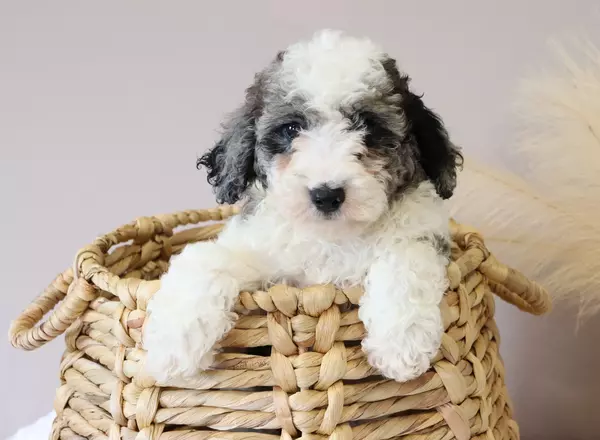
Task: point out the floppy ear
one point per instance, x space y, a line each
230 163
439 157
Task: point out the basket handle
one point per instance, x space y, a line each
507 283
74 298
515 288
76 287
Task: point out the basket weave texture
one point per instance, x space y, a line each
312 382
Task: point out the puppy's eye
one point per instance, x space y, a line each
372 130
369 124
290 130
377 134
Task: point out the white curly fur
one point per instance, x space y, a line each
389 246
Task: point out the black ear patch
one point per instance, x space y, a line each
439 157
230 163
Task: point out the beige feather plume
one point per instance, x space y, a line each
546 219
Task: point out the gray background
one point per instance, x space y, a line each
105 105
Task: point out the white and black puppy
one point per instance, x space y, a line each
341 170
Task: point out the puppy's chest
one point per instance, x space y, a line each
321 263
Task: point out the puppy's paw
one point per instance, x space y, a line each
402 353
186 319
394 363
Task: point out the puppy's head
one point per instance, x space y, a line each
332 134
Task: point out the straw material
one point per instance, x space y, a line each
293 366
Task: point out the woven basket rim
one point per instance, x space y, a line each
30 331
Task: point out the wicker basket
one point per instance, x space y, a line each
312 383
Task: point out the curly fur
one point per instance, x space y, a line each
357 126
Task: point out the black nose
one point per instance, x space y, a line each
326 199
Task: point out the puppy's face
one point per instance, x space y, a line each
332 135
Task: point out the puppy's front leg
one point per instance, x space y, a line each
400 308
193 308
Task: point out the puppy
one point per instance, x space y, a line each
342 172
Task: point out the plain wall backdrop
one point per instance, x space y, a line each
104 107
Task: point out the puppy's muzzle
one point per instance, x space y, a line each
326 199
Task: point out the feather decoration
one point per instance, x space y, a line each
545 219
